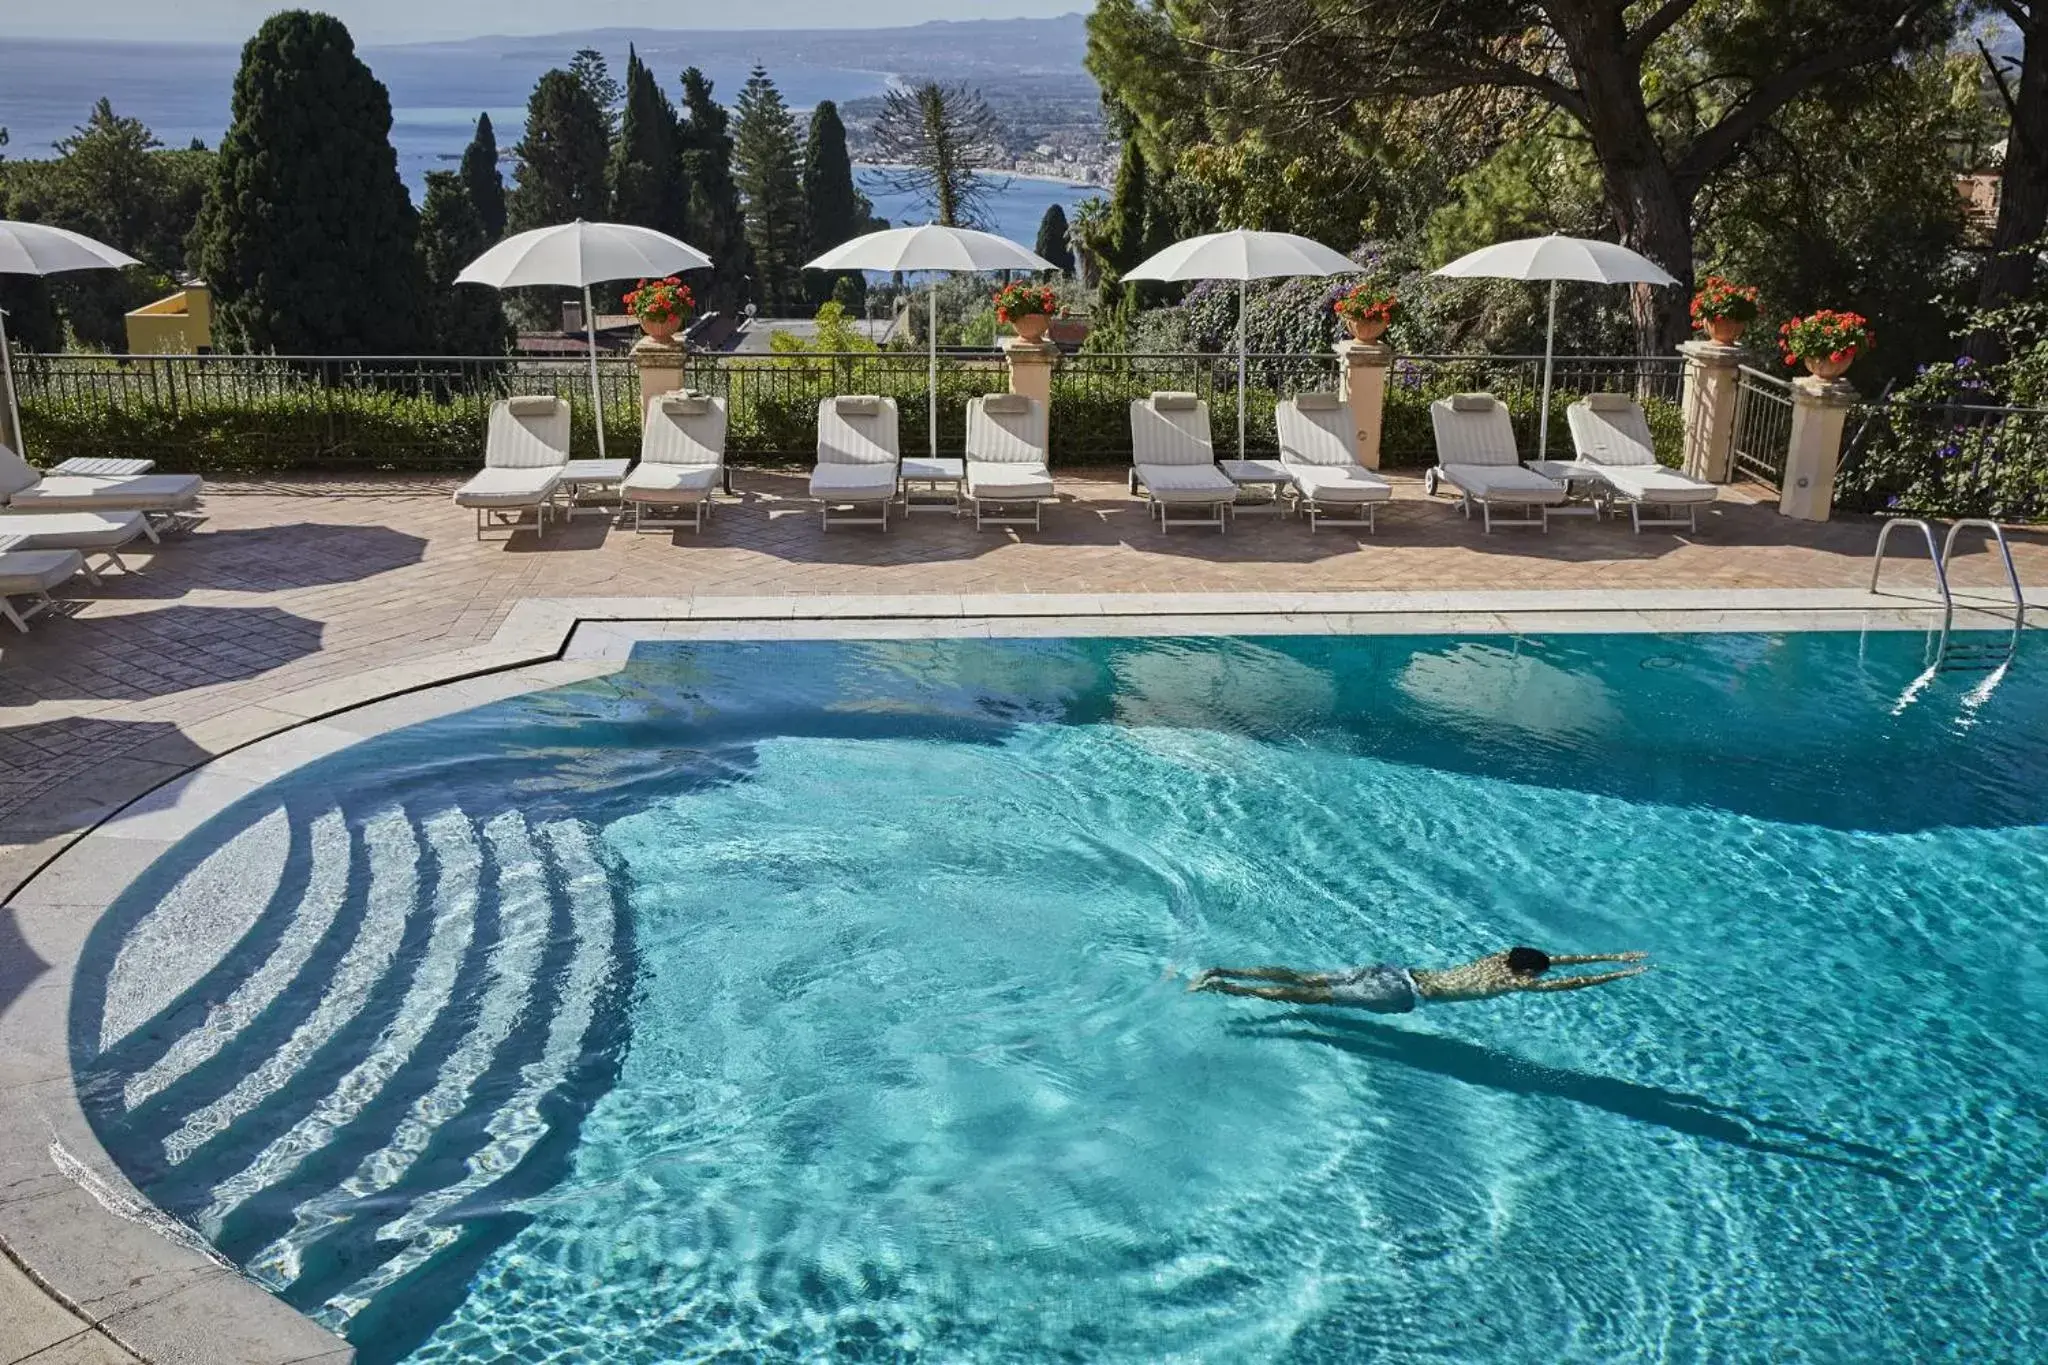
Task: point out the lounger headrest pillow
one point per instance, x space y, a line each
1609 402
1473 402
685 404
533 405
1174 402
857 405
1006 402
1316 402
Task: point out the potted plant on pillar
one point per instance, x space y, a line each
1723 309
1367 310
1826 342
1027 307
662 307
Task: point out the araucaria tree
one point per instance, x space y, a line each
461 319
1055 239
646 169
561 158
481 177
1665 94
767 167
939 139
834 211
717 225
307 236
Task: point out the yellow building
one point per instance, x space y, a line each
181 324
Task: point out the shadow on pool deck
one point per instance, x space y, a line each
1474 1064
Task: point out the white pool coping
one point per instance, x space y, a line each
81 1231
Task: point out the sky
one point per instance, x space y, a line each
400 21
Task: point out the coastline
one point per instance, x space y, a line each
1061 181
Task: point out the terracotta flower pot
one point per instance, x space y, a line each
1031 326
663 330
1366 330
1726 331
1825 368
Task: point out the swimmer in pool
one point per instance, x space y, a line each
1387 989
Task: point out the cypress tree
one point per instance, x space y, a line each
481 178
646 167
561 158
307 236
1054 239
717 224
462 319
833 209
767 167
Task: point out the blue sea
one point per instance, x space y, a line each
182 91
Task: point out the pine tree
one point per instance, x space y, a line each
1054 239
717 224
481 177
646 169
308 235
766 162
834 211
561 158
462 319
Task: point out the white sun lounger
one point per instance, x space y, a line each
1319 447
525 448
1006 468
1612 436
90 533
1173 460
857 460
1476 454
31 574
165 499
682 460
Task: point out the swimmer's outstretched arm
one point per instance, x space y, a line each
1580 959
1579 983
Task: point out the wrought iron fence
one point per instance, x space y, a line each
1092 394
1763 426
1416 381
1947 460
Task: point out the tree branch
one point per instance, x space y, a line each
1655 27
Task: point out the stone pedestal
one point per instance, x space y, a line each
661 365
1710 383
1820 409
1362 385
1031 365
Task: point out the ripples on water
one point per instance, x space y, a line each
828 1002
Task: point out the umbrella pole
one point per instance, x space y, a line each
596 394
1240 368
1549 344
932 377
13 399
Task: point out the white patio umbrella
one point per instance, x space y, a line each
1242 256
36 249
1556 259
583 254
937 249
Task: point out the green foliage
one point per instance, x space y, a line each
462 319
1055 239
717 223
590 70
767 167
834 211
307 236
561 171
935 140
480 176
645 170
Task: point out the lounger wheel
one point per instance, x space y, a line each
1429 482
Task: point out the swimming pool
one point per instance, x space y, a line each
827 1000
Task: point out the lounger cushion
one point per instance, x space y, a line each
857 404
854 482
15 473
1608 402
1315 436
508 488
1316 402
1611 435
670 482
684 404
683 429
1473 402
858 431
1007 428
24 571
1171 435
1655 484
1340 483
1006 402
1473 435
534 405
933 467
1005 480
1186 483
527 433
70 530
1175 402
132 493
1502 483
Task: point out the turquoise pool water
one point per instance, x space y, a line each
827 1002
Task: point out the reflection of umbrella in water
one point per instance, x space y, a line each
1475 686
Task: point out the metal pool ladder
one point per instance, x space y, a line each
1949 654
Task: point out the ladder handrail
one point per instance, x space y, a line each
2012 574
1884 534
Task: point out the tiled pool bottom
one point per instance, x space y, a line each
826 1000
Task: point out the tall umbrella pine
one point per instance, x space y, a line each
833 212
307 235
481 177
767 167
